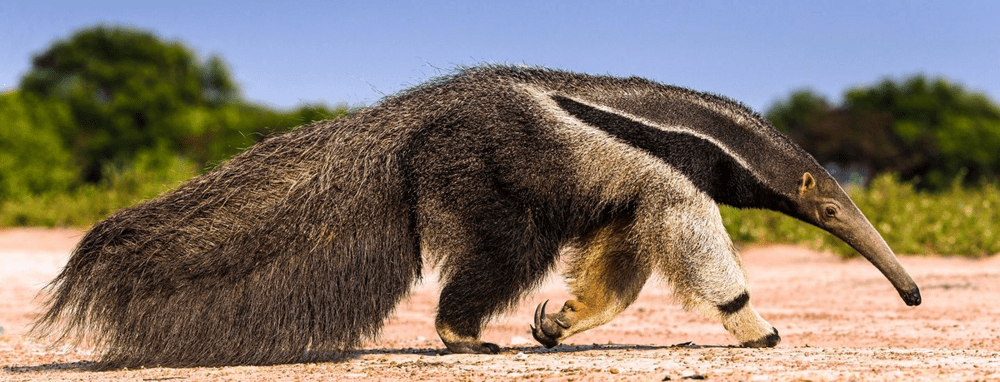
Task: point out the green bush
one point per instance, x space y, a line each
33 158
961 221
39 181
150 174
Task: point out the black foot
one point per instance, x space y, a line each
473 348
768 341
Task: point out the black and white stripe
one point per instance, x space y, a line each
724 171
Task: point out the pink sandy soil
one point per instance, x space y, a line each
839 320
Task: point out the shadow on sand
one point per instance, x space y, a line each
321 357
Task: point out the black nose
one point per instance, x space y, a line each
911 298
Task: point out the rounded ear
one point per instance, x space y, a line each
808 183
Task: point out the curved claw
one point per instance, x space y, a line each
538 329
540 313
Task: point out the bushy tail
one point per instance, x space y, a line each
174 282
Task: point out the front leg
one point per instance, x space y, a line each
606 275
706 271
574 317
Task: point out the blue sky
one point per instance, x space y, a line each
291 52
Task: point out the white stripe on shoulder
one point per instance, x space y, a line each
551 107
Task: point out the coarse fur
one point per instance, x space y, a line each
299 248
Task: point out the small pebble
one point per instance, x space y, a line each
520 356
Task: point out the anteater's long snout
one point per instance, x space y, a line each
861 235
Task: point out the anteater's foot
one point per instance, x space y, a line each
473 347
768 341
548 329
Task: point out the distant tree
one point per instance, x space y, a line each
800 113
849 143
33 159
125 89
939 129
927 130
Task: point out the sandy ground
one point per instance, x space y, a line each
839 320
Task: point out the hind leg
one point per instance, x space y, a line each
501 262
484 286
605 277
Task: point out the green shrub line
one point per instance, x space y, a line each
85 205
961 221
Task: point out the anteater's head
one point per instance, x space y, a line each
822 202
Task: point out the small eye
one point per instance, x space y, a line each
830 211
